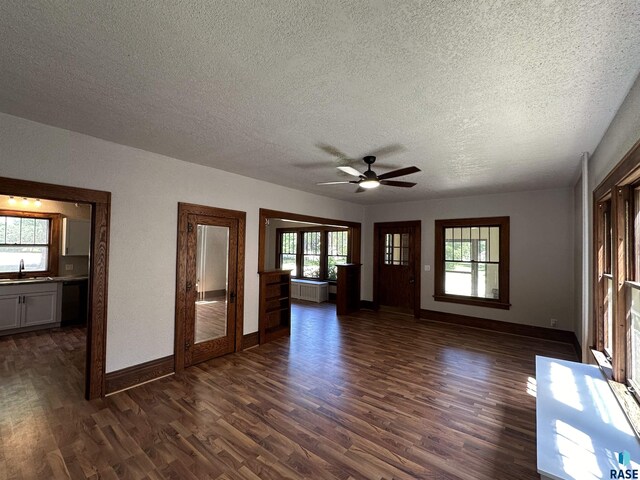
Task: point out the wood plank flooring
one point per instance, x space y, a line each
367 396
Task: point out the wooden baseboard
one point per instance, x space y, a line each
367 304
250 340
563 336
137 374
577 347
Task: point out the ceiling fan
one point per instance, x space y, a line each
370 179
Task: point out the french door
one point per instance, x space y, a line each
209 286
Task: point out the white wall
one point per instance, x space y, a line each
541 257
146 189
622 134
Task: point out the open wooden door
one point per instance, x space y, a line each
396 280
209 287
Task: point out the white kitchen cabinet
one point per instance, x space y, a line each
39 308
76 237
10 311
28 305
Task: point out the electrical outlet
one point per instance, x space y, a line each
554 322
68 267
427 268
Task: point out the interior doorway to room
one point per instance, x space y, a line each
310 248
209 290
396 274
53 268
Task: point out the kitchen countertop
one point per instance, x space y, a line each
19 281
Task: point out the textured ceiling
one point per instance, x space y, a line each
484 97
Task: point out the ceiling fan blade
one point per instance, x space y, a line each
350 171
395 183
388 150
331 150
331 183
398 173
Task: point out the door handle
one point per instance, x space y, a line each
189 286
232 297
411 280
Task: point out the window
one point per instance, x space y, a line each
617 269
312 252
27 238
396 249
311 255
337 248
472 261
288 251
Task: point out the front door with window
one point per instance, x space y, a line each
397 264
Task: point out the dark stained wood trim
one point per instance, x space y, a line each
478 302
54 242
137 374
599 282
49 191
367 304
100 202
619 199
265 214
564 336
184 210
250 340
98 279
577 348
504 269
626 171
416 225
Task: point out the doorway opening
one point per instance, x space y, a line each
209 284
396 273
310 248
54 244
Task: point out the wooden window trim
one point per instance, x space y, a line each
617 187
324 249
54 243
439 268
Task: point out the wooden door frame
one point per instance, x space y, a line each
417 260
100 202
184 210
355 232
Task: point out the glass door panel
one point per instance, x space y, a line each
212 282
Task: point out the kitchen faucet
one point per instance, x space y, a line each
21 268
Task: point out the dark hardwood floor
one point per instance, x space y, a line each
367 396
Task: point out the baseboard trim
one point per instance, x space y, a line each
250 340
367 304
577 347
563 336
137 374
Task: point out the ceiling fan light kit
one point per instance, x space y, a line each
370 179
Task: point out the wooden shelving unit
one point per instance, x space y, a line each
274 319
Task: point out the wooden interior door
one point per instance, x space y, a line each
397 266
209 287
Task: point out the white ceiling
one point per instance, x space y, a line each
486 96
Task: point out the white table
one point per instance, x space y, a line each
580 425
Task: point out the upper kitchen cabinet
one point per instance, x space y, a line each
76 237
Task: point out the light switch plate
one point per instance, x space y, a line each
68 267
